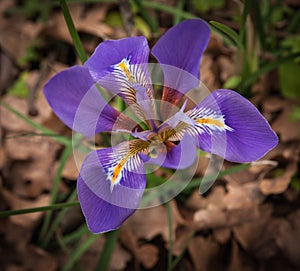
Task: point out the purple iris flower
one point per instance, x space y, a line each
112 180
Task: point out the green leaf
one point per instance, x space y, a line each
233 82
295 116
61 139
111 240
73 32
289 79
78 252
224 29
38 209
204 5
142 26
114 19
19 88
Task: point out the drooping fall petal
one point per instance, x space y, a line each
228 125
110 186
77 102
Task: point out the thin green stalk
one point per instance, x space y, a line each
63 160
75 235
178 17
266 68
50 207
61 139
179 257
73 32
168 9
57 220
152 23
82 248
111 240
170 228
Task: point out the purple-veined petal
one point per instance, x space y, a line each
77 102
180 50
118 64
109 195
228 125
111 52
121 66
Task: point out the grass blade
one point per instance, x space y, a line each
73 32
224 29
63 160
57 220
50 207
82 248
266 68
111 240
61 139
170 229
152 23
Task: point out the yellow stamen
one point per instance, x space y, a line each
211 121
123 66
117 170
135 147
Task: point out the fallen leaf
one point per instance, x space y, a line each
287 129
258 236
222 236
279 184
204 252
147 254
30 220
183 238
148 223
36 259
208 75
288 238
226 66
240 260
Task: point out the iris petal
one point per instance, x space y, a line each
105 207
121 66
180 51
76 101
233 127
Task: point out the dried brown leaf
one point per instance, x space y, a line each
36 259
147 255
239 261
258 237
208 75
183 238
222 236
148 223
287 129
29 220
279 184
288 238
203 252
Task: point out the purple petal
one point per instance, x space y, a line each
121 66
180 51
104 65
111 52
105 207
77 102
248 135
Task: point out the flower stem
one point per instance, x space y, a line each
73 32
